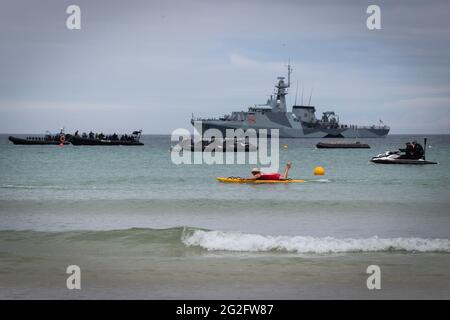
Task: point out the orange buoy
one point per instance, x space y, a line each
319 171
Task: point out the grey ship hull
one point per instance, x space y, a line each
298 131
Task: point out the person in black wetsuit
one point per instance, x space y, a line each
417 150
408 152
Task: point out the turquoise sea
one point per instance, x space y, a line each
129 204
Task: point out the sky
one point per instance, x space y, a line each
145 64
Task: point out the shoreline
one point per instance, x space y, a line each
34 269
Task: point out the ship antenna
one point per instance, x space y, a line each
289 73
310 95
296 94
302 94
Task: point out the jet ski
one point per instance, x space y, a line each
394 157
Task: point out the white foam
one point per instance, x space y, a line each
321 180
237 241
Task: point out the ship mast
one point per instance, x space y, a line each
281 92
289 75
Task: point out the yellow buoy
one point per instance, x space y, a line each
319 171
285 146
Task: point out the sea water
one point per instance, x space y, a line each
117 197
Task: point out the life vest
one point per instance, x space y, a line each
270 176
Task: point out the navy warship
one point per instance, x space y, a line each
300 123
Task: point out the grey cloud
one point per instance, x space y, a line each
172 58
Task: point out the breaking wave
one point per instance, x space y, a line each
237 241
179 239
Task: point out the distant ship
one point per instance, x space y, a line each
300 123
48 139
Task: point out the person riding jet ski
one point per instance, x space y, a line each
412 151
408 151
417 150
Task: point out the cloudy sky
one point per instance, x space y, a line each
150 64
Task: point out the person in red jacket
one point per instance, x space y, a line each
257 175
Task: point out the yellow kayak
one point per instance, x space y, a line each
243 180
